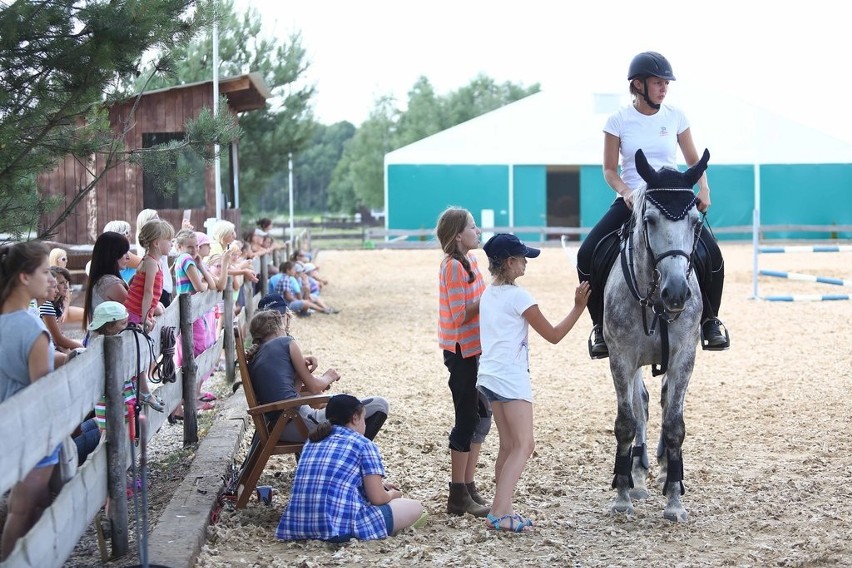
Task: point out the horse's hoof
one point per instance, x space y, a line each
676 515
639 493
622 508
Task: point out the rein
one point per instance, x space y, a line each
628 269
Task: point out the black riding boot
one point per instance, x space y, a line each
714 334
597 344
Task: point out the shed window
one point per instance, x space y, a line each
190 189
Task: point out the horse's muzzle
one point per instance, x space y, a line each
674 294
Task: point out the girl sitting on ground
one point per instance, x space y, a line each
338 491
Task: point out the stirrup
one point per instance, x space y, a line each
599 355
705 344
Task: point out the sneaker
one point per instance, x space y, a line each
153 401
597 344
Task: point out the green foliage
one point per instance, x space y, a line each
270 134
358 179
176 160
61 60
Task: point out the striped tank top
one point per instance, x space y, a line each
137 290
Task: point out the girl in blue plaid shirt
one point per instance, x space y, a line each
338 491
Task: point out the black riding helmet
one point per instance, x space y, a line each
650 64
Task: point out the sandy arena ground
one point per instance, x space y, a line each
765 457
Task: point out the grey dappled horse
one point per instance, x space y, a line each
652 311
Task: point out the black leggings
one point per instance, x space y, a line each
618 214
472 412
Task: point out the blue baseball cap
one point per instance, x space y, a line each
504 245
273 302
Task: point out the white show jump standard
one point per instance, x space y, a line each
763 249
806 277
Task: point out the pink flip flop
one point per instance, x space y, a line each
207 397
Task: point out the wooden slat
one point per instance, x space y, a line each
66 396
53 538
203 303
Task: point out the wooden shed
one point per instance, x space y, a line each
124 191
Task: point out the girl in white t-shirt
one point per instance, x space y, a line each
506 311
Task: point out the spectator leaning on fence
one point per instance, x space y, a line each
105 283
51 310
27 356
143 296
192 277
168 284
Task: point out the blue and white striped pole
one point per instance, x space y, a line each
806 277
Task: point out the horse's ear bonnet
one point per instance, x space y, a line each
663 185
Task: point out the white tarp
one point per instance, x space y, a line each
554 128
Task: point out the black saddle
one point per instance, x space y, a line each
606 253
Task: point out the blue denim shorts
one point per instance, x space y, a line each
387 513
492 396
50 460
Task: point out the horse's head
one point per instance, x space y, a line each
669 222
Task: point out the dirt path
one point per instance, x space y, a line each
766 456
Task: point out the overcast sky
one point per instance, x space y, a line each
791 57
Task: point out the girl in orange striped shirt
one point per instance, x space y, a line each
460 285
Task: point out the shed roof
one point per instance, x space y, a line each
554 128
244 92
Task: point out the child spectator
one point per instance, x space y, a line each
506 311
304 288
168 285
460 287
27 356
312 271
272 284
279 371
290 288
110 318
51 310
338 490
143 295
58 257
191 277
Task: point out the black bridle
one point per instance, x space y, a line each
661 315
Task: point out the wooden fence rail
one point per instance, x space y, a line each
38 418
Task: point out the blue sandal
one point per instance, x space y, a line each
517 523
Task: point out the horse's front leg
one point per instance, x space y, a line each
639 454
625 432
673 434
